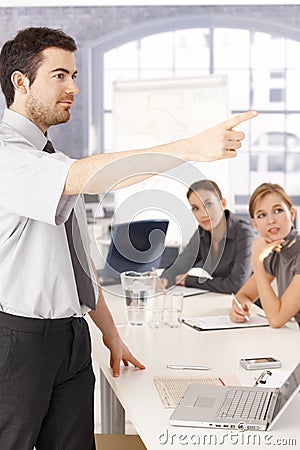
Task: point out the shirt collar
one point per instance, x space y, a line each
25 127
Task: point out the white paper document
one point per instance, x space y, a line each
223 322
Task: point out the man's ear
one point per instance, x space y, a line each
20 82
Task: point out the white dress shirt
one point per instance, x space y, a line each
36 274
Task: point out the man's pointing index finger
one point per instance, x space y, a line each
239 118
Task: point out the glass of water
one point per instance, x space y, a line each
155 310
173 307
139 287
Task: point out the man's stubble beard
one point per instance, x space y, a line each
44 116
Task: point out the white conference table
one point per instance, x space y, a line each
135 394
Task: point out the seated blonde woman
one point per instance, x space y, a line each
275 256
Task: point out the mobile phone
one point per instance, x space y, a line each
267 362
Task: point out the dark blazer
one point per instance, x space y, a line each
232 267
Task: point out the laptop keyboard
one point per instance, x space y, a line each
244 404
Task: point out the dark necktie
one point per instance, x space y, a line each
80 265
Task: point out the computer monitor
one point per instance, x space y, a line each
135 246
91 198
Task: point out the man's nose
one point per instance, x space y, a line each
72 87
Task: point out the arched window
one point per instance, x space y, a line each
263 67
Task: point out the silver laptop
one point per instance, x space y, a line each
235 407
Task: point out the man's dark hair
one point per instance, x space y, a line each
24 53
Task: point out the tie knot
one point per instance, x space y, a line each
49 147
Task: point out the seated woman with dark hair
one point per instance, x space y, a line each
221 245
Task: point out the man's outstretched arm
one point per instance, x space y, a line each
128 167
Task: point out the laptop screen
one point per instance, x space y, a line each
135 246
287 389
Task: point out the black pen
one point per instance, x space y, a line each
262 379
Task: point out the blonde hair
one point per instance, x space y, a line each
264 189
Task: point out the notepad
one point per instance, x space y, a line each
172 388
223 322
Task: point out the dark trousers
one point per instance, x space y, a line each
46 384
